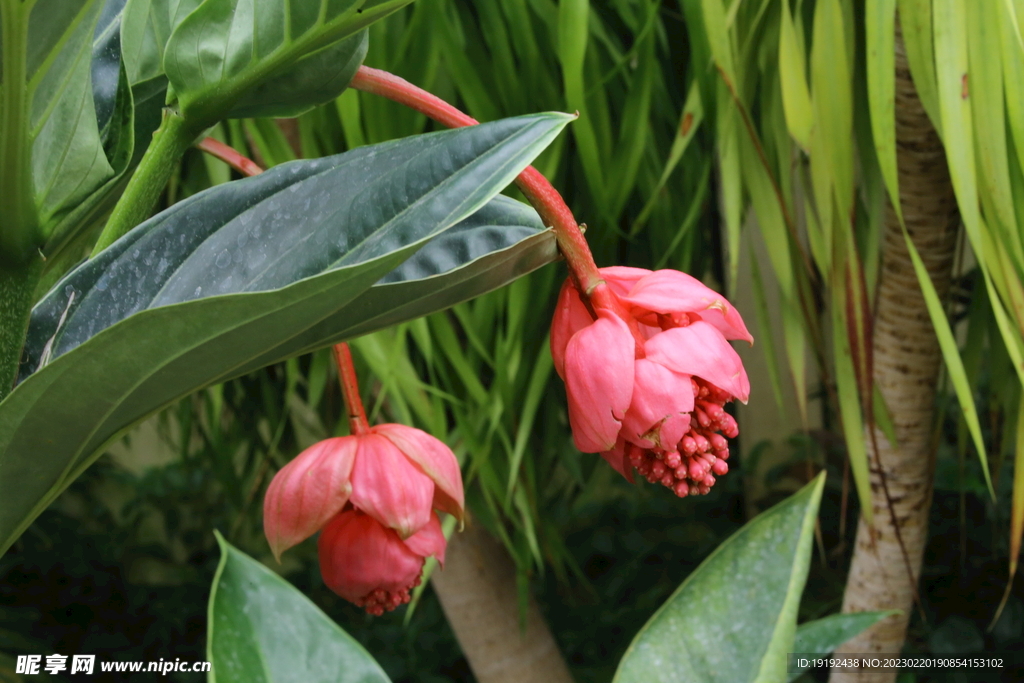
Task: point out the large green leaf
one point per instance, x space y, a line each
734 618
243 272
263 630
53 157
124 135
822 636
233 58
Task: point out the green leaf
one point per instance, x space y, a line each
232 57
53 157
573 36
916 26
262 630
121 137
717 29
734 618
796 98
881 78
243 270
823 636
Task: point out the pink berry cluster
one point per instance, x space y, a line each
702 453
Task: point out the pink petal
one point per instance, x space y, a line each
623 278
435 459
616 457
358 556
307 492
429 541
389 488
599 382
701 350
570 317
659 414
670 291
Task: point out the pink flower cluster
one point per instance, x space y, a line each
373 495
648 368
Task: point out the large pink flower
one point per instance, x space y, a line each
394 475
647 369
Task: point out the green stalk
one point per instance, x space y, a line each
172 138
17 289
19 229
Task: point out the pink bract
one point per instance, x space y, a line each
370 565
647 376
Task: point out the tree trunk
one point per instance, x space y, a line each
477 589
906 364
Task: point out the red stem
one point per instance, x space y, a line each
230 156
357 422
544 198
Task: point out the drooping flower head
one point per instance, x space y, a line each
374 495
648 368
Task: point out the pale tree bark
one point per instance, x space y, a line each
906 365
477 589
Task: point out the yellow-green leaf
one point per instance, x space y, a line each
796 98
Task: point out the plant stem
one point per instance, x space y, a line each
357 422
170 141
544 198
230 156
17 289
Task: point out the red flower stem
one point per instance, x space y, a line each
230 156
357 422
544 198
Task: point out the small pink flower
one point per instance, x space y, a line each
648 371
370 565
394 475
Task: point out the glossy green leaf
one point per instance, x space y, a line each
53 157
822 636
233 58
121 137
261 629
734 618
242 272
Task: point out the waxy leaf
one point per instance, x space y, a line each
734 618
262 630
123 134
822 636
53 157
240 58
243 272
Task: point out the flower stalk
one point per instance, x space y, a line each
544 198
540 193
171 139
357 422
